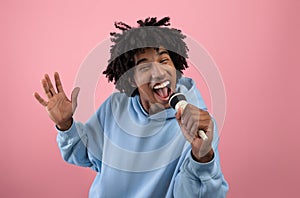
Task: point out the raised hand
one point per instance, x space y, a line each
60 109
191 120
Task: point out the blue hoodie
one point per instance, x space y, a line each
140 155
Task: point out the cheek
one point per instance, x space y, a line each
146 93
141 79
173 73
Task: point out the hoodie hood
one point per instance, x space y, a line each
130 115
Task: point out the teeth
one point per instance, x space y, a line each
162 85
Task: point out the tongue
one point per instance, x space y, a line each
163 92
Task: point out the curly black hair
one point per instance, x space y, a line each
150 33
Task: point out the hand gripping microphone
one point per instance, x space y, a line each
178 100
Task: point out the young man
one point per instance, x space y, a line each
139 146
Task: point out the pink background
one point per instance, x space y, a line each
254 44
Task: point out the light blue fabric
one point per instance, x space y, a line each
137 155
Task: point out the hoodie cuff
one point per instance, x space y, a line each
71 132
204 171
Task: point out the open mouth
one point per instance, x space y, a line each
163 90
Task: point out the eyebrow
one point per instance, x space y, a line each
163 52
141 60
159 53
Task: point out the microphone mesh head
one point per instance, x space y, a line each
175 98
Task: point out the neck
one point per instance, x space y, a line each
152 109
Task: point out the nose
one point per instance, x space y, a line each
157 71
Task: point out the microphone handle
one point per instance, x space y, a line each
181 105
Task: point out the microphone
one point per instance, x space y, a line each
178 100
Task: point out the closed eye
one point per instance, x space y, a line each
144 66
164 61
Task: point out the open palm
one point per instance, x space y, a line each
58 106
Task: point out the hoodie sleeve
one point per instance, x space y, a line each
72 147
196 179
82 144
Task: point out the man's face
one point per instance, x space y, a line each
155 77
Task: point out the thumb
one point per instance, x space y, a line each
74 96
178 115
